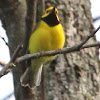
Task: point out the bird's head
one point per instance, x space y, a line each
50 16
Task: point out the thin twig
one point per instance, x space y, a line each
91 45
97 18
8 67
6 43
11 65
54 52
88 37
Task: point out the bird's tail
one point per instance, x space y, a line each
31 77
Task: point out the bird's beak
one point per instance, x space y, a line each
54 11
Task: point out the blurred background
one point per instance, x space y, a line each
6 82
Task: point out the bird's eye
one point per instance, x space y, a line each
47 11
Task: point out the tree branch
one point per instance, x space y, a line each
8 67
97 18
75 48
12 63
55 52
88 37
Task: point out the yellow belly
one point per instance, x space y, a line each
46 38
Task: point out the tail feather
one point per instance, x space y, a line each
31 78
38 76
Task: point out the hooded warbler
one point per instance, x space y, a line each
49 35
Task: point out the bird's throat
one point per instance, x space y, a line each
51 20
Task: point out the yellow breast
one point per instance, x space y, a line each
46 38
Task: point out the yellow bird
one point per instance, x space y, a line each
49 35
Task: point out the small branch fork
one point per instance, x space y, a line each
8 67
15 59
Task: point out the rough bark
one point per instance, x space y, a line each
72 76
76 75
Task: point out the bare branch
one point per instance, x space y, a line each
54 52
97 18
60 51
8 67
75 48
88 37
6 43
91 45
11 65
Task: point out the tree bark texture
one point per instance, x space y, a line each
73 76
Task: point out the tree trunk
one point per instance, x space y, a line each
73 76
